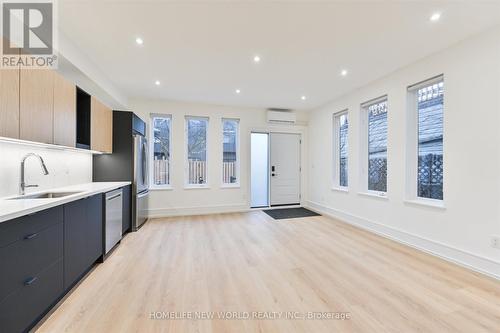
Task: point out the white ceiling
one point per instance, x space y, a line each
202 51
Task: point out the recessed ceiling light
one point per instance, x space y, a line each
435 17
303 98
139 41
343 72
157 82
256 58
237 91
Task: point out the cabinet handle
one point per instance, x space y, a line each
30 281
31 236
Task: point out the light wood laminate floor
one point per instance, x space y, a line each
248 262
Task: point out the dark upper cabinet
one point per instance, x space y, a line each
82 237
82 119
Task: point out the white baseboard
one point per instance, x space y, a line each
198 210
463 258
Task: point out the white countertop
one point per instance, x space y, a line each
10 209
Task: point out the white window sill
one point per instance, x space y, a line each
196 187
340 189
438 204
161 188
236 185
377 195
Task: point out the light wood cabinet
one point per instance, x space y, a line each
9 101
64 112
36 105
101 127
41 106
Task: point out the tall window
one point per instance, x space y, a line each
230 151
161 134
428 99
340 149
196 138
376 113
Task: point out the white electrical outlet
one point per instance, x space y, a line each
495 242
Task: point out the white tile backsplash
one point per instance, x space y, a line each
65 168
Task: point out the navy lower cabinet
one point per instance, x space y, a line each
82 237
42 255
31 261
95 226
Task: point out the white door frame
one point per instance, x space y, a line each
269 130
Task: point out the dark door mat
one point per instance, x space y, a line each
289 213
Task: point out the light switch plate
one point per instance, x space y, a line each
495 242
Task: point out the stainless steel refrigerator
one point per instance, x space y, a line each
141 180
128 162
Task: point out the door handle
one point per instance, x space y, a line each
142 195
144 165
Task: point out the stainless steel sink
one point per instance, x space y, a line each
46 195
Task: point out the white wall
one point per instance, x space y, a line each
77 67
65 168
462 231
181 201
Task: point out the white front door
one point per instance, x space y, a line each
285 169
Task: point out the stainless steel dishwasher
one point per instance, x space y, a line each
113 225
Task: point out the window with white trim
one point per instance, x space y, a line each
340 149
230 151
196 151
374 157
161 152
426 111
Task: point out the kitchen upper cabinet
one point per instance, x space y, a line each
41 105
64 112
36 105
101 138
9 102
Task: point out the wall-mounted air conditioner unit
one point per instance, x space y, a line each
281 116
